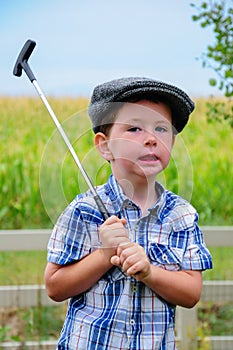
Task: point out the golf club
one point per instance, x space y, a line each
22 64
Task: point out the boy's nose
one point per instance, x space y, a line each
150 140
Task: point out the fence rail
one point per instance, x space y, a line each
186 323
37 239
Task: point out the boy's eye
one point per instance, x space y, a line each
134 129
161 129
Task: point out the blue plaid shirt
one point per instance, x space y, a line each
119 312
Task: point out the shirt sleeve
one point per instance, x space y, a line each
196 255
69 240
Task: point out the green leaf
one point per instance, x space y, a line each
212 82
204 5
229 73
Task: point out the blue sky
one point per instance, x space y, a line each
81 43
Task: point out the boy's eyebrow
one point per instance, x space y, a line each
129 121
135 120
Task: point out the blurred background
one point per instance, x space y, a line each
80 44
83 43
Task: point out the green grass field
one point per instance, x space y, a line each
38 177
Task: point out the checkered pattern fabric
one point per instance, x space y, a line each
119 312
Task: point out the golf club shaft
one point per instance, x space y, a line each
63 134
71 149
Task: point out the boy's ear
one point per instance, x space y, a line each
101 143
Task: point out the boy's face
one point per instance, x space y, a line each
140 141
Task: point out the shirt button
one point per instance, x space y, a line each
132 322
133 289
164 257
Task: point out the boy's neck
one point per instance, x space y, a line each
143 193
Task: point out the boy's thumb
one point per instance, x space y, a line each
115 260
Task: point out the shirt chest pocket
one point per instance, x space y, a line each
168 258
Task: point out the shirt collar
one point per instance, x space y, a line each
119 200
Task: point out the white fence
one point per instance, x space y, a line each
186 320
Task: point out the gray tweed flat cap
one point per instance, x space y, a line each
104 98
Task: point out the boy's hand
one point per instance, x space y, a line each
133 260
113 233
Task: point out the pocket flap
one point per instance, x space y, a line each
161 254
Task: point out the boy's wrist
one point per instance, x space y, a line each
145 277
107 254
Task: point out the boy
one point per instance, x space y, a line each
124 276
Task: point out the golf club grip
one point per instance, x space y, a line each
101 207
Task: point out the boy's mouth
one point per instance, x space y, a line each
149 158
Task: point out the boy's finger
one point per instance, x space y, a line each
115 260
124 245
114 219
123 220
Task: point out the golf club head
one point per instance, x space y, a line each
21 63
